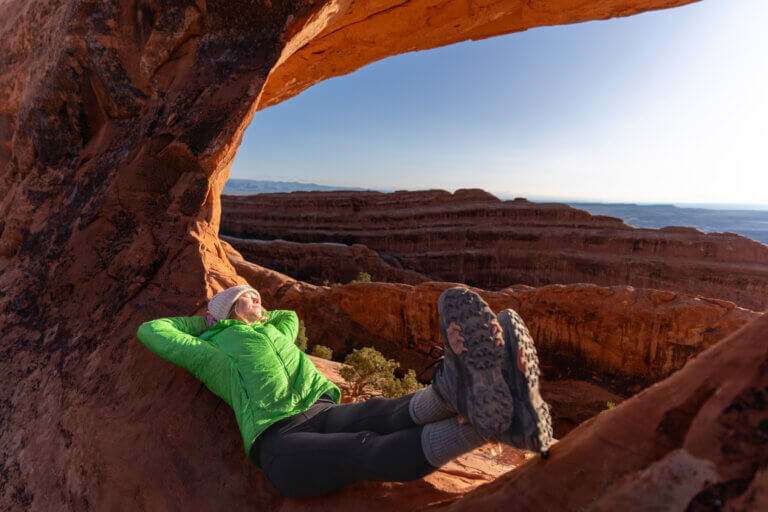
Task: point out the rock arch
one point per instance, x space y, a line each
118 123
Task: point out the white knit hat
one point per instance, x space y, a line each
220 304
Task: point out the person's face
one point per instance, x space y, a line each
248 305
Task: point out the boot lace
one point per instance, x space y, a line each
438 354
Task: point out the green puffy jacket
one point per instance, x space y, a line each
257 369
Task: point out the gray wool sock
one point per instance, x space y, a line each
426 406
443 441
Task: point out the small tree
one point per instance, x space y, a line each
301 338
322 351
368 366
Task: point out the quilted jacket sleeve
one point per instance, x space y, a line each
285 321
175 340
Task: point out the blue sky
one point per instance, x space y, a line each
666 106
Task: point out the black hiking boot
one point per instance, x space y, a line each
469 378
532 424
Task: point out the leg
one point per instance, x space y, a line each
301 462
385 415
381 415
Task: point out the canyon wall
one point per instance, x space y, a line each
638 334
118 123
325 262
697 441
473 237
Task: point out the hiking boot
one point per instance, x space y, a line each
469 378
532 425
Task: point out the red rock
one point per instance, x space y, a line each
118 124
319 263
637 334
695 441
473 237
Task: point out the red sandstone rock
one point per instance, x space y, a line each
319 263
345 35
634 333
696 441
606 336
118 123
473 237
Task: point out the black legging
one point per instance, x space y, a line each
331 446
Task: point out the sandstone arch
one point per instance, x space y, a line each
118 122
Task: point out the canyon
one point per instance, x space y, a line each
118 125
472 237
596 344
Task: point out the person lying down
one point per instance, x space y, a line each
486 388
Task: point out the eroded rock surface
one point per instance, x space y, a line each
597 345
637 334
696 441
473 237
323 263
118 123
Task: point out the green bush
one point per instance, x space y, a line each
322 351
301 338
362 277
608 406
394 387
368 366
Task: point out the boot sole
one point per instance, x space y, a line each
481 387
524 382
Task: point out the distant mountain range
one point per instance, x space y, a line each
241 187
750 223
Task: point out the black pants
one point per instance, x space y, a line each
331 446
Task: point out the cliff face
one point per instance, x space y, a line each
696 441
633 333
319 263
118 123
472 237
588 338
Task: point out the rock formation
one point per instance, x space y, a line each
637 334
473 237
593 342
118 123
698 441
319 263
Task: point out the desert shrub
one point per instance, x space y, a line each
609 406
394 387
362 277
301 338
368 366
322 351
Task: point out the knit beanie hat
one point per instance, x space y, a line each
221 304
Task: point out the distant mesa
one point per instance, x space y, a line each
473 237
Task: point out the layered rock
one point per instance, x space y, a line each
637 334
473 237
323 263
696 441
118 123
